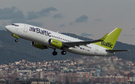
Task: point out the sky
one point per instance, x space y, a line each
89 18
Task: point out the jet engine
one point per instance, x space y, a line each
38 45
55 43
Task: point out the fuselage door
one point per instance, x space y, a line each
25 28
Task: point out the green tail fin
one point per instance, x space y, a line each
111 39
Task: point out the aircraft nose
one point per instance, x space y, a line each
7 27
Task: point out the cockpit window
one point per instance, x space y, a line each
15 25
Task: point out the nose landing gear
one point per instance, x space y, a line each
16 40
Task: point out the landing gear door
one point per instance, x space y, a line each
25 28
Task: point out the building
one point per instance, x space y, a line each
32 81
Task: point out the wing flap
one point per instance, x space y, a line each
72 44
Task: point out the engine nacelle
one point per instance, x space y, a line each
55 43
38 45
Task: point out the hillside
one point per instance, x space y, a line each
11 51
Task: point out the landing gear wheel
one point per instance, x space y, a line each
16 40
54 53
63 52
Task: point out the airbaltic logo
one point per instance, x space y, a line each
106 44
38 30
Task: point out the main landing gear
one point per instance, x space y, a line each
63 52
55 53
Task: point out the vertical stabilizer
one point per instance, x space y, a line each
111 39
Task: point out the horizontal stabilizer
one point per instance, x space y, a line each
116 50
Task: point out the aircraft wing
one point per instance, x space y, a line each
72 44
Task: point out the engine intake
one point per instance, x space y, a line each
55 43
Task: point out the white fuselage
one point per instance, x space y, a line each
41 35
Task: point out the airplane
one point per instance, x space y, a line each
43 39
